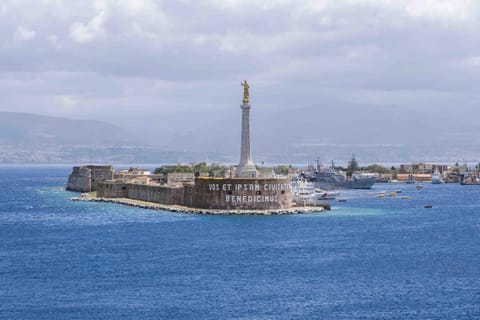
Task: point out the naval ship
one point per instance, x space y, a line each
329 178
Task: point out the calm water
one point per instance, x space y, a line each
369 258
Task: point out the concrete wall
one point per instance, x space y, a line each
242 193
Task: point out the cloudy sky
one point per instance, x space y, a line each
173 68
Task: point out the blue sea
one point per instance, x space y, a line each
367 258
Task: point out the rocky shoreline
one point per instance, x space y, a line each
90 197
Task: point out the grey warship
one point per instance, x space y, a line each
329 178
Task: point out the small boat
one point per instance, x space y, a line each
428 206
437 178
325 195
469 179
398 191
303 192
419 187
404 197
381 195
410 179
392 194
342 200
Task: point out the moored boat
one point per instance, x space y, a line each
305 193
470 179
329 178
437 178
410 179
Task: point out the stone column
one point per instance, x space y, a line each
246 168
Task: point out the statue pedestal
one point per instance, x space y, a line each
246 168
247 171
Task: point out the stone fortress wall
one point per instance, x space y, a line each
169 195
208 193
159 194
85 178
242 193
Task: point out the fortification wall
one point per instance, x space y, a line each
100 173
158 194
242 193
208 193
80 180
112 190
188 192
85 178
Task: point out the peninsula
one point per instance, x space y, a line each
242 190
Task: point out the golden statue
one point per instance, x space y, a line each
246 95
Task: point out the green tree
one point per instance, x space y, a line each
282 169
200 167
378 169
172 169
352 166
217 170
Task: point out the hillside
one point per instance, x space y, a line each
31 138
33 130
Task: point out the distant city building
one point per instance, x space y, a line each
178 177
416 176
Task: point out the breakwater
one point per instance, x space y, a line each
182 209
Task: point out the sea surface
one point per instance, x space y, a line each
368 258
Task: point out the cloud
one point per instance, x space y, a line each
139 59
54 41
65 100
86 32
24 34
458 10
473 61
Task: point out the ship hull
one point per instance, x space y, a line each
355 184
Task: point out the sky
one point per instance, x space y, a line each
320 71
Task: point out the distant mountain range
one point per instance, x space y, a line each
33 130
30 138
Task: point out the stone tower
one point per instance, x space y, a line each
246 167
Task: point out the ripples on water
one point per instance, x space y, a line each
368 258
